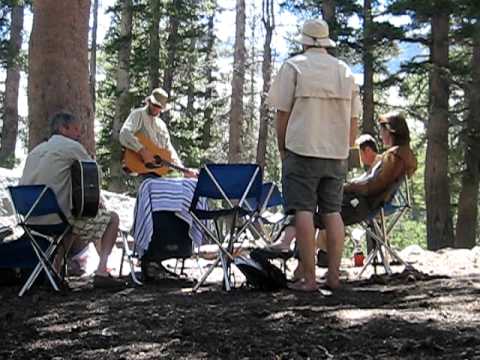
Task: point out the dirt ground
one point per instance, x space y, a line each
404 316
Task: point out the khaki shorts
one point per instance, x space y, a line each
310 182
91 229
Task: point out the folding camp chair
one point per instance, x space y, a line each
382 222
271 198
29 202
227 186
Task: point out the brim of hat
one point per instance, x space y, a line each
154 102
306 40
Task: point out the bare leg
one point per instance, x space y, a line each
106 244
306 245
335 239
285 239
63 248
321 240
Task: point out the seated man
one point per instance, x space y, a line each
49 164
146 121
362 194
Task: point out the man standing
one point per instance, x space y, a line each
318 107
49 164
146 120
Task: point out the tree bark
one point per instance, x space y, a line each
154 50
328 12
268 19
93 57
467 223
368 124
58 67
12 81
437 189
208 114
169 71
238 80
123 103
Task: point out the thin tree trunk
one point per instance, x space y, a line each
328 12
247 140
437 189
238 80
12 81
123 103
169 71
268 19
207 127
467 220
154 50
368 100
58 68
93 56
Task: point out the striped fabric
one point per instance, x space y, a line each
163 194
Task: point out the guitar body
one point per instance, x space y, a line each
132 162
85 188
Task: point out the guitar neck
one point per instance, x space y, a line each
165 163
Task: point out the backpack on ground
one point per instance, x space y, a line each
260 273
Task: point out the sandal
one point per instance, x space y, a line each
303 287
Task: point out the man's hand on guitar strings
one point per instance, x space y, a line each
191 173
147 156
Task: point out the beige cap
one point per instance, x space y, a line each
159 97
315 33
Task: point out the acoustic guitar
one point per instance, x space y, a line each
85 188
133 163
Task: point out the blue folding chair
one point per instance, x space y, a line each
30 202
226 186
382 221
270 198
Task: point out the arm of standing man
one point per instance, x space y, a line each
281 126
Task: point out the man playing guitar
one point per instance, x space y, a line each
146 121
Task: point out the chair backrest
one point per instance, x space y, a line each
229 182
387 196
271 196
34 200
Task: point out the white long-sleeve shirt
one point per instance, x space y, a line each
152 127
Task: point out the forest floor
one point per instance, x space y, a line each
431 313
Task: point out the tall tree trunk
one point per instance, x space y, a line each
328 12
268 20
154 50
238 80
467 222
10 119
368 100
437 189
172 41
208 114
58 67
93 56
123 103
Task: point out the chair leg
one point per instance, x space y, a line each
40 266
206 274
126 250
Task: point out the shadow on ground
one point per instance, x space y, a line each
406 316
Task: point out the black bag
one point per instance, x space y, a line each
261 274
170 238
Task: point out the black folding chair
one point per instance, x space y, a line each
30 202
227 186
